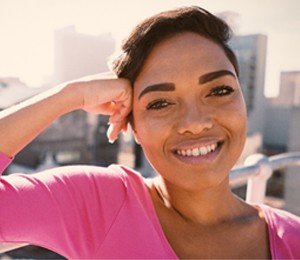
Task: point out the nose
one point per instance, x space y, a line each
194 120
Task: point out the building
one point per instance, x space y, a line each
280 111
55 138
13 91
77 55
289 90
251 54
76 137
282 132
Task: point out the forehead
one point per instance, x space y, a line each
185 55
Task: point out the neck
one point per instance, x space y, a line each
207 207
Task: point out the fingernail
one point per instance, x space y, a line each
109 130
111 141
108 134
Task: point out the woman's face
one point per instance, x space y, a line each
189 112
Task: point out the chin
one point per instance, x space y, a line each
193 180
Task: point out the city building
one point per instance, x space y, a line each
281 132
280 111
251 54
289 90
77 54
55 138
77 137
13 91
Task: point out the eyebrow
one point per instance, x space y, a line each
158 87
214 75
168 86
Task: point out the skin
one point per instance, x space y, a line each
194 199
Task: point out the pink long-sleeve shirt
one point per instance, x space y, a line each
94 212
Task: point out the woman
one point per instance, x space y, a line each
177 85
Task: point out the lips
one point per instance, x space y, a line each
197 153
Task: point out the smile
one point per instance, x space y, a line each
198 154
203 150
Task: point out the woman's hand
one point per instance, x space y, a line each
107 95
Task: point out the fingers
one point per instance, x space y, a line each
121 112
114 129
118 122
110 97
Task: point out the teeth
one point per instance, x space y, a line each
197 151
213 147
203 151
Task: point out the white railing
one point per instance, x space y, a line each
257 170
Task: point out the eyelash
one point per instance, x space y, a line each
158 104
221 91
217 92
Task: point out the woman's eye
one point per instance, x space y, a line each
158 104
221 91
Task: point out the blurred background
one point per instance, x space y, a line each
46 42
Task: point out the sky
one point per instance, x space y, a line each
27 29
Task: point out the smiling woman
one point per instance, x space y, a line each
177 85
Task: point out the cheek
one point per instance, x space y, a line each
151 135
151 131
236 119
233 118
241 115
235 113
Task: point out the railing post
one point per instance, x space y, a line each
256 186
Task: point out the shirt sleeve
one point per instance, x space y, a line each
284 233
68 209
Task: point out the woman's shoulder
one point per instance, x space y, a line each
113 177
78 179
280 217
109 177
132 178
284 232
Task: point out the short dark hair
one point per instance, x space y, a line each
138 45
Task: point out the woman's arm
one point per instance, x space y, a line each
41 207
100 94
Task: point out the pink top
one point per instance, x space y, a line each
95 212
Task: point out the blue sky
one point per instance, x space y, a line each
26 29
